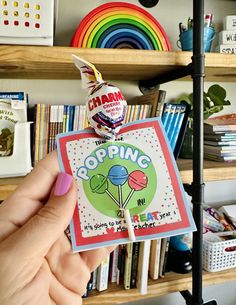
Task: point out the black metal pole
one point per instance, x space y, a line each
198 185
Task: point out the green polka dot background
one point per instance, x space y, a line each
120 176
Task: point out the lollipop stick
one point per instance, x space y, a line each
129 225
128 198
113 198
120 195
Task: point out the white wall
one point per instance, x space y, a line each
169 13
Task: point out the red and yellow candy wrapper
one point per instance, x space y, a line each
106 106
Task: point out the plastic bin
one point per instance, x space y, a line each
219 255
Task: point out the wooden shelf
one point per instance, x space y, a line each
30 62
212 172
172 282
8 185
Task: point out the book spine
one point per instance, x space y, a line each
75 121
177 126
42 138
182 130
114 265
161 103
128 265
95 278
71 117
143 262
134 267
121 264
163 271
102 274
170 120
51 127
166 111
154 259
174 125
37 134
47 128
164 242
64 117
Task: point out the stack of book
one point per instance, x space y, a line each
220 138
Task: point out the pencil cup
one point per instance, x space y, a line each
186 39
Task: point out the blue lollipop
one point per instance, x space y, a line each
118 175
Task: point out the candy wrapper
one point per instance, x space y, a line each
106 106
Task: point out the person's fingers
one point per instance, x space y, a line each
43 229
93 258
29 197
61 295
69 268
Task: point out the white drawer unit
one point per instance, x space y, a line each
27 22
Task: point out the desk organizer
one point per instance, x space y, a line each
27 22
19 163
219 255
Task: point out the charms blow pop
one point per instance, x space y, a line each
106 106
118 175
99 185
137 181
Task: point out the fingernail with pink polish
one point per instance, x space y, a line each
63 184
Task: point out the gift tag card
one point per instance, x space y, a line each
136 173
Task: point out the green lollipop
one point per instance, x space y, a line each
99 185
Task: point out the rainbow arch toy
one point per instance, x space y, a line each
120 25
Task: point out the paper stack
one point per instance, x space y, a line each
220 138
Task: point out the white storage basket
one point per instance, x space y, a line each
219 255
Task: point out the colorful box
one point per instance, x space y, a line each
29 22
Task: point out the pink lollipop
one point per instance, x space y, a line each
137 181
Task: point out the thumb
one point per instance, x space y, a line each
43 229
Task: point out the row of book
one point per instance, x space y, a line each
131 265
51 120
220 138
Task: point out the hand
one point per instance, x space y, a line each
37 265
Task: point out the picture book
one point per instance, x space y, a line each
127 187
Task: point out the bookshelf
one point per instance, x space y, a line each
31 62
172 282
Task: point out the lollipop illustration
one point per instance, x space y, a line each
137 181
118 176
99 185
